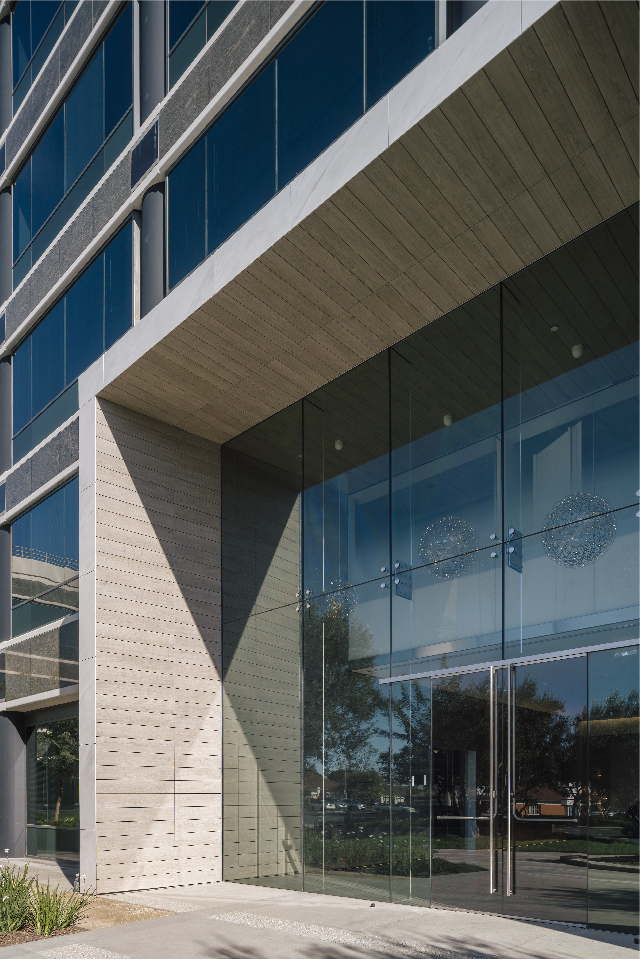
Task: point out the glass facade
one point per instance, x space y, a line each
192 23
85 322
340 62
465 498
35 28
86 135
53 800
46 662
44 567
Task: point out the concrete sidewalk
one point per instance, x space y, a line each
237 920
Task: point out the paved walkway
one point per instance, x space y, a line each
238 920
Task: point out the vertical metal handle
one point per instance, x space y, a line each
492 792
510 732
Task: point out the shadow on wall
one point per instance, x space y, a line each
158 690
261 663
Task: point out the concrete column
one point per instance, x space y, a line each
152 249
6 85
153 56
13 784
6 257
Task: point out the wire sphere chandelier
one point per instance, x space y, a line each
447 547
580 529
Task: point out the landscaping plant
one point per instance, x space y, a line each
54 910
15 887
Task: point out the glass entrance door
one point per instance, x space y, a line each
545 875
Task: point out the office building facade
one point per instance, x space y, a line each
319 448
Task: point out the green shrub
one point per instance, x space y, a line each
15 887
54 910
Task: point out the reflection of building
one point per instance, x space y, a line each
336 438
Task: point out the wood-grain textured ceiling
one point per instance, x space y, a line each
533 150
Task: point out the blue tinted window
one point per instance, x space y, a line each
21 35
47 173
187 225
84 320
42 14
118 307
72 156
84 120
47 358
241 160
21 372
22 211
95 311
181 13
399 36
118 71
320 85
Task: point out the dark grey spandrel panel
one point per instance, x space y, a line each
45 86
99 6
45 275
19 130
68 445
112 194
18 485
45 464
18 309
186 103
78 234
75 35
276 9
245 31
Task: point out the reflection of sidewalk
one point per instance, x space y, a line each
242 920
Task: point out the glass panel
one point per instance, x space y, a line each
47 172
84 119
47 344
217 13
262 478
411 790
186 220
181 13
118 141
613 778
263 830
460 785
445 427
459 11
571 381
45 545
49 42
42 14
53 788
40 428
118 71
53 605
346 466
21 37
241 159
574 586
39 664
21 377
549 791
320 85
346 750
21 197
118 288
84 305
399 35
188 48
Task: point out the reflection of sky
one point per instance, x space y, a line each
565 680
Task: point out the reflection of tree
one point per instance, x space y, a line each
342 698
613 754
546 750
58 750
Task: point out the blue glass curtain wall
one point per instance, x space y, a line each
192 23
44 569
467 496
86 135
85 322
341 61
35 28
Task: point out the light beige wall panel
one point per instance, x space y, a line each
158 698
